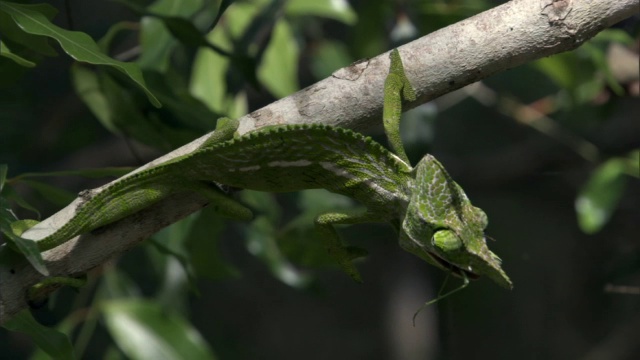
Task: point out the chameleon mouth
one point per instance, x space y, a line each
453 268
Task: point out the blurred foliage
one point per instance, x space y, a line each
164 70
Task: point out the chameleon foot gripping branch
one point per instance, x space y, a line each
435 219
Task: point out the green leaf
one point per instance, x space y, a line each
90 173
299 240
155 39
51 341
118 285
87 87
128 118
184 31
4 169
600 195
261 238
12 230
52 194
77 44
11 195
203 244
171 262
143 330
36 43
114 30
333 9
6 52
329 56
278 71
180 104
262 235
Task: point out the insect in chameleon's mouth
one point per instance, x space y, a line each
455 269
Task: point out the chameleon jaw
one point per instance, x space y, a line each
452 268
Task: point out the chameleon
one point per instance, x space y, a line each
432 214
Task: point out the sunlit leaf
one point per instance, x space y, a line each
600 195
333 9
118 285
143 330
4 169
278 71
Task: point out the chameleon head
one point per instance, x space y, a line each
443 228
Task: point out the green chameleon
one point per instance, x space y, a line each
432 214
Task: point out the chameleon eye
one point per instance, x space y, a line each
447 241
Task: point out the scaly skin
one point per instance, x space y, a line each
435 218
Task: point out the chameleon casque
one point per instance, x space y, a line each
434 218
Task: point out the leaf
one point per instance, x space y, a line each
4 169
117 285
77 44
127 118
90 173
329 56
87 87
261 242
156 41
278 70
203 245
600 195
180 104
52 194
143 330
262 235
6 52
36 43
333 9
51 341
176 273
299 240
12 229
12 195
184 31
114 30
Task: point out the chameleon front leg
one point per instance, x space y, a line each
396 88
344 254
225 130
223 204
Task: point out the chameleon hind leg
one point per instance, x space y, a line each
223 204
396 88
343 254
225 130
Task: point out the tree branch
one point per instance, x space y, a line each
496 40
